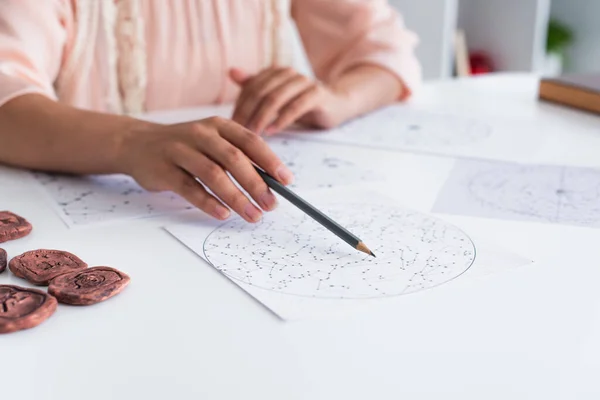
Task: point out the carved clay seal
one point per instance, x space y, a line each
3 258
13 226
24 308
89 286
41 266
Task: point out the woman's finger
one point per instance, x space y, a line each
256 149
245 103
214 177
271 104
238 76
255 95
234 161
295 109
190 189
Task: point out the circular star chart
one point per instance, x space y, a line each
290 253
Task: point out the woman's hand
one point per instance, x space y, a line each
275 98
170 157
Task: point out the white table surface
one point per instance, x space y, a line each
183 331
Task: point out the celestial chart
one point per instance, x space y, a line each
92 199
544 193
315 168
398 128
293 255
104 198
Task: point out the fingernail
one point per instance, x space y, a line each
252 212
221 212
268 201
271 130
284 174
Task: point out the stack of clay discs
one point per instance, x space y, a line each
20 307
69 279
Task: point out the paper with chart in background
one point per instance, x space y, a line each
402 128
298 269
539 193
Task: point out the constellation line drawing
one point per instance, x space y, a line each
543 193
291 254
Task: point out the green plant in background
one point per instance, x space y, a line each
559 37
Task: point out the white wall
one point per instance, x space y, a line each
584 17
434 21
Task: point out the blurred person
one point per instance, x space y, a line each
75 73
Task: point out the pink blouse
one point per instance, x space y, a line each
186 47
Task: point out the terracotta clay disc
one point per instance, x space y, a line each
13 226
24 308
3 258
89 286
41 266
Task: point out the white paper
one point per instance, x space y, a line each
317 166
89 200
399 127
297 269
542 193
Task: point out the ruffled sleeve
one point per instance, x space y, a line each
33 34
340 34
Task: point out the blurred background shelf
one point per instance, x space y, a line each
511 34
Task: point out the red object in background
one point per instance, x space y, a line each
481 63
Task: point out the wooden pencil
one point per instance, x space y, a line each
314 213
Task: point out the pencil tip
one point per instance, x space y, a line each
362 247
